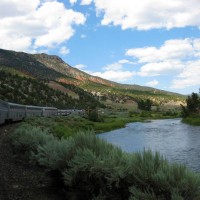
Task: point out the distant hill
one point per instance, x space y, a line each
23 90
52 69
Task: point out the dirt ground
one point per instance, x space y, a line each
19 180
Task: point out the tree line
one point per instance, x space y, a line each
192 105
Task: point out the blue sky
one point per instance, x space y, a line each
152 43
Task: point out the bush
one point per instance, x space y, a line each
95 168
145 114
62 131
151 176
27 138
98 170
94 116
54 154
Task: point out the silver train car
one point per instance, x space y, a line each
65 112
16 112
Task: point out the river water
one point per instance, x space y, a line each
176 141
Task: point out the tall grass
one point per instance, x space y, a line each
192 120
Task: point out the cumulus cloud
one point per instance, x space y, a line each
72 1
64 50
170 58
124 61
86 2
160 68
116 71
117 65
170 50
30 25
190 76
152 83
177 58
149 14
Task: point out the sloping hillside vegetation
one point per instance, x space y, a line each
52 68
26 64
23 90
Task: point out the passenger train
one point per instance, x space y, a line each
15 112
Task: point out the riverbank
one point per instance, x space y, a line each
69 125
192 120
83 162
176 141
87 167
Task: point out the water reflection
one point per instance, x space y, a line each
178 142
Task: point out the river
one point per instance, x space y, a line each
176 141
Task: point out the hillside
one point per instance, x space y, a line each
23 90
50 68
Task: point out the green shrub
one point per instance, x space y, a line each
98 170
151 175
145 114
62 131
26 138
93 116
139 194
95 167
54 154
121 176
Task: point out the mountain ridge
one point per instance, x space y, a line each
55 63
52 68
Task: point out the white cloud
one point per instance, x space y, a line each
29 25
118 76
80 66
114 67
124 61
116 71
170 50
86 2
149 14
152 83
72 1
190 76
160 68
117 65
64 50
177 58
170 58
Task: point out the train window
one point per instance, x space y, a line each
32 108
17 107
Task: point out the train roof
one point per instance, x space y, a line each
28 106
50 108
